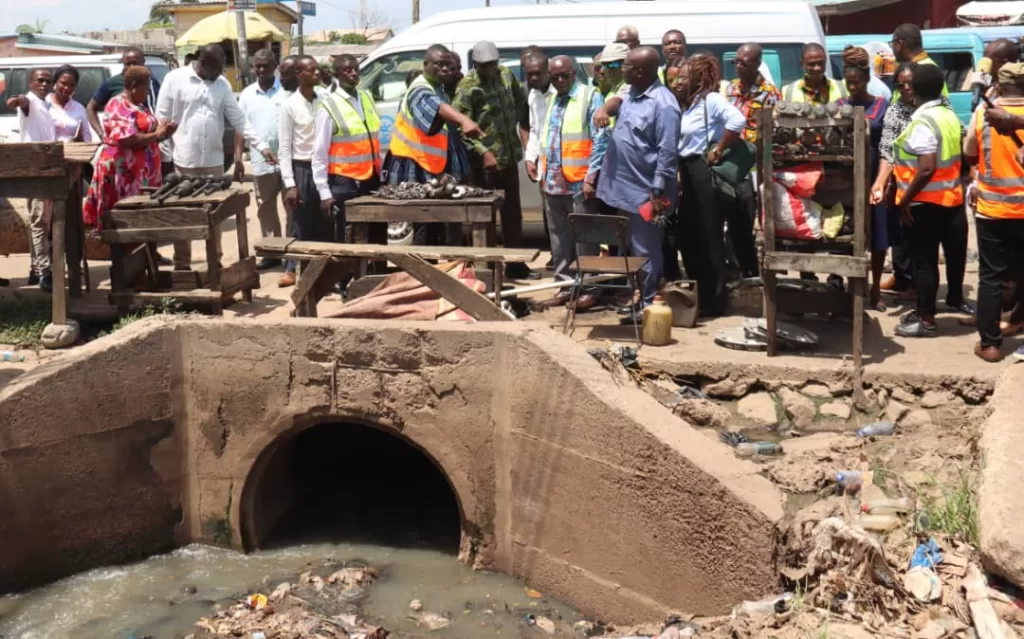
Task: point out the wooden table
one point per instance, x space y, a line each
478 212
53 171
140 220
322 264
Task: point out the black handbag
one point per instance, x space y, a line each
736 163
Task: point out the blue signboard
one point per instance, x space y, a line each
307 8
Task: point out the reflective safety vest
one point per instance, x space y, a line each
430 152
793 92
576 138
613 92
1000 181
944 188
354 146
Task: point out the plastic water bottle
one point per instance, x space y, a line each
850 480
750 449
768 605
877 429
879 523
888 506
11 356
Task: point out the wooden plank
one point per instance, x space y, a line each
233 278
27 160
803 122
134 265
131 236
815 157
474 304
215 199
242 230
231 207
311 271
480 235
497 198
844 265
195 297
791 301
452 213
168 217
60 290
186 280
384 251
273 244
80 152
43 187
74 232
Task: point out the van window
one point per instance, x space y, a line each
385 77
584 57
17 84
89 79
160 70
957 66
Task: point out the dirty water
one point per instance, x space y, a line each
163 596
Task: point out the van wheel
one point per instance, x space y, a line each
400 233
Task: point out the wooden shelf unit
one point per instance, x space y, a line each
850 176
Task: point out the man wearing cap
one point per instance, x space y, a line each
613 57
491 96
998 202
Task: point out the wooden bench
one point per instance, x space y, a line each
323 264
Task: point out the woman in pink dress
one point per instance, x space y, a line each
130 159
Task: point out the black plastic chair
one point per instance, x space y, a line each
612 230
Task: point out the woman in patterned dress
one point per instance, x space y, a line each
130 159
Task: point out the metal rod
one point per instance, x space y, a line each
535 288
243 48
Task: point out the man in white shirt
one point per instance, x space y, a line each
37 125
199 99
261 102
297 134
354 168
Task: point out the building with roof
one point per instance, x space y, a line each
279 14
373 36
25 45
883 16
155 40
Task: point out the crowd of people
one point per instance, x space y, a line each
641 140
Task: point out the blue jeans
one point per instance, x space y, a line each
646 241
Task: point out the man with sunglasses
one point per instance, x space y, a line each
492 97
907 46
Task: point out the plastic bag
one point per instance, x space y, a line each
801 180
796 218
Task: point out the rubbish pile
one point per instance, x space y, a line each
444 188
298 611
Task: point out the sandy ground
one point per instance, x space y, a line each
950 353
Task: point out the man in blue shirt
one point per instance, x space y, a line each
640 162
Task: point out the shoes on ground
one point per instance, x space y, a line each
288 279
267 263
988 353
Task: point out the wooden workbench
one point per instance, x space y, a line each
142 221
53 171
478 213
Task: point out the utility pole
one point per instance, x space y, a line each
415 11
240 17
300 29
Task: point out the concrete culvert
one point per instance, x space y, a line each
348 482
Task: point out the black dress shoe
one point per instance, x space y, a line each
46 283
4 281
33 278
629 309
267 264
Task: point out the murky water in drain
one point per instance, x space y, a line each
149 598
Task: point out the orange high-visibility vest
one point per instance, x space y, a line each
353 152
944 188
577 141
430 152
1000 182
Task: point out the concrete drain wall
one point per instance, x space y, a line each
594 493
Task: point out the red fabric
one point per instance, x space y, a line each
402 296
797 217
120 171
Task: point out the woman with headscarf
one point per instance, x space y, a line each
709 126
130 159
857 74
883 191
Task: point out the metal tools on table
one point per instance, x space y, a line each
177 186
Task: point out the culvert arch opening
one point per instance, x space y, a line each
343 481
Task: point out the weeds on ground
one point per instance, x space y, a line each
955 512
166 307
23 321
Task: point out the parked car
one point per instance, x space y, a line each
581 31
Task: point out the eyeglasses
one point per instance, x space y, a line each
562 76
444 65
613 65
